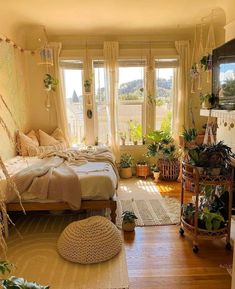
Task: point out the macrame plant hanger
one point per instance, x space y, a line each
194 65
209 136
199 57
210 45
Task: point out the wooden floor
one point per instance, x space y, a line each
158 258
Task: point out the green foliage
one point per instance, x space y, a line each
162 145
166 123
210 97
50 82
189 134
128 217
5 267
229 87
20 283
135 130
210 155
126 161
212 220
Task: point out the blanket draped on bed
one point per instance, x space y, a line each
53 178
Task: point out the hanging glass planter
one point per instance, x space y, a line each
46 56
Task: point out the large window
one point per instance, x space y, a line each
131 100
164 93
102 120
73 84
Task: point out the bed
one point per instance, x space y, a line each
98 182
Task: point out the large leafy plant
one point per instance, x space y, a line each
135 130
126 161
212 220
162 145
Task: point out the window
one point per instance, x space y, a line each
131 99
164 93
102 120
72 73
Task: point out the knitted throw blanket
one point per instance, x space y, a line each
52 179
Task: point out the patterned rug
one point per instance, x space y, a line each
36 258
143 198
154 212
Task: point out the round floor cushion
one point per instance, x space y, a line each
92 240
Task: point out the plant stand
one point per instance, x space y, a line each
191 173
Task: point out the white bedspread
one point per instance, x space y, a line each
98 179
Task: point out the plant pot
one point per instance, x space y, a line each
128 227
169 170
156 176
125 173
135 142
142 170
206 104
123 142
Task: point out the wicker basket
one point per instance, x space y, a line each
169 170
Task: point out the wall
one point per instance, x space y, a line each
14 103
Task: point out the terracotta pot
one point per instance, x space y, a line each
142 170
125 173
129 227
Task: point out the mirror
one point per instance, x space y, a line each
223 74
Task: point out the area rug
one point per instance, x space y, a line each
143 198
165 211
36 258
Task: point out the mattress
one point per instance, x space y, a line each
98 179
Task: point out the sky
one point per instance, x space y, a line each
73 78
227 71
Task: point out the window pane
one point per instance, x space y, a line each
131 98
101 103
164 96
74 104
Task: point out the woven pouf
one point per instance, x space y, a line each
88 241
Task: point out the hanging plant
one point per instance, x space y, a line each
50 82
206 62
87 85
194 71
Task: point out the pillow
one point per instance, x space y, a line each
46 139
35 151
58 135
26 141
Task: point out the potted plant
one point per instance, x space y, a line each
87 85
155 172
126 163
164 149
188 211
210 221
128 221
16 282
142 169
50 83
188 137
210 158
122 135
208 100
135 131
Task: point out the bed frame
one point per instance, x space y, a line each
57 206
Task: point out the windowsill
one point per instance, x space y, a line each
132 146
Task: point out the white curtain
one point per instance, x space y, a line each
111 50
181 99
59 93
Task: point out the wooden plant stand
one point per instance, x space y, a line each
191 173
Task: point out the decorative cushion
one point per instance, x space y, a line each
26 141
58 135
88 241
35 151
46 140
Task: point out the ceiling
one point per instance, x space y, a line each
109 17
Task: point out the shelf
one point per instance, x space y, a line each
204 234
219 113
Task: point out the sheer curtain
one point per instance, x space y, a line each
181 99
59 93
111 50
